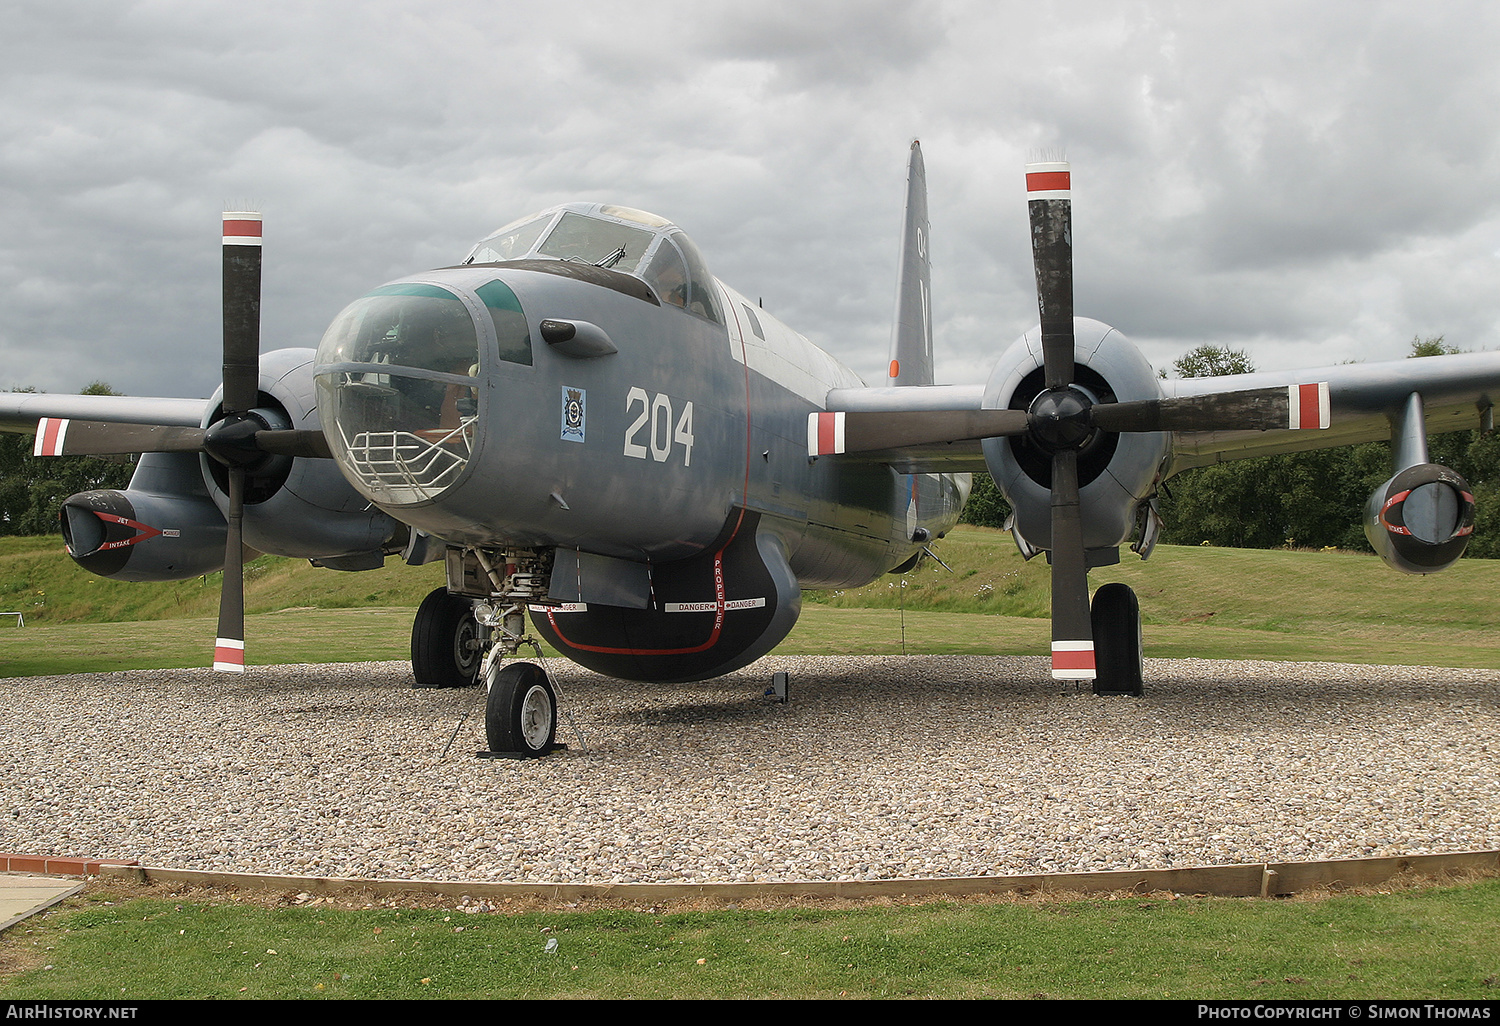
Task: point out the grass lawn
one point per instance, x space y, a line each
1196 602
1414 944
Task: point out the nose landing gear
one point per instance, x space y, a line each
520 717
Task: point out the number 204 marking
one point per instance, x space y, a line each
655 423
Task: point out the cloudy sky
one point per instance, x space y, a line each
1310 182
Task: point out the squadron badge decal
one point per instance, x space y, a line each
573 400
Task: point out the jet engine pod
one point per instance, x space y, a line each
138 536
1421 520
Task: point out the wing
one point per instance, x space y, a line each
1456 393
20 411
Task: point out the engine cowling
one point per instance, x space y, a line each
1117 473
1421 520
302 508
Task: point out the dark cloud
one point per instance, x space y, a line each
1280 177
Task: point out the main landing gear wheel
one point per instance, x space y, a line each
446 642
1116 619
520 714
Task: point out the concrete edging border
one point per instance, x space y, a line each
1251 880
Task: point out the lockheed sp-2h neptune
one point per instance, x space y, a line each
589 428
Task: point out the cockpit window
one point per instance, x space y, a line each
592 241
701 300
614 238
677 273
632 214
511 331
512 241
667 274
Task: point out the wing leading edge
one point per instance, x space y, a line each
20 411
1364 399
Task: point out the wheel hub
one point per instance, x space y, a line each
536 718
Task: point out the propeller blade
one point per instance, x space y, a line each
229 648
1255 409
56 436
1049 202
305 443
242 257
831 433
1072 630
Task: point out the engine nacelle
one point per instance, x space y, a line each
170 523
164 527
1116 472
1420 521
303 508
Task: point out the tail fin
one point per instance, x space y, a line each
911 341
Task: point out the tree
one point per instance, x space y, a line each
1211 362
987 506
32 490
1433 345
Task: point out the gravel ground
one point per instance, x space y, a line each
880 768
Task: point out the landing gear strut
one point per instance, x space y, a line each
520 713
1115 616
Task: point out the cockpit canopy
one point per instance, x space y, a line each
631 241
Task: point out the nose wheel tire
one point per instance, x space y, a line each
446 642
520 715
